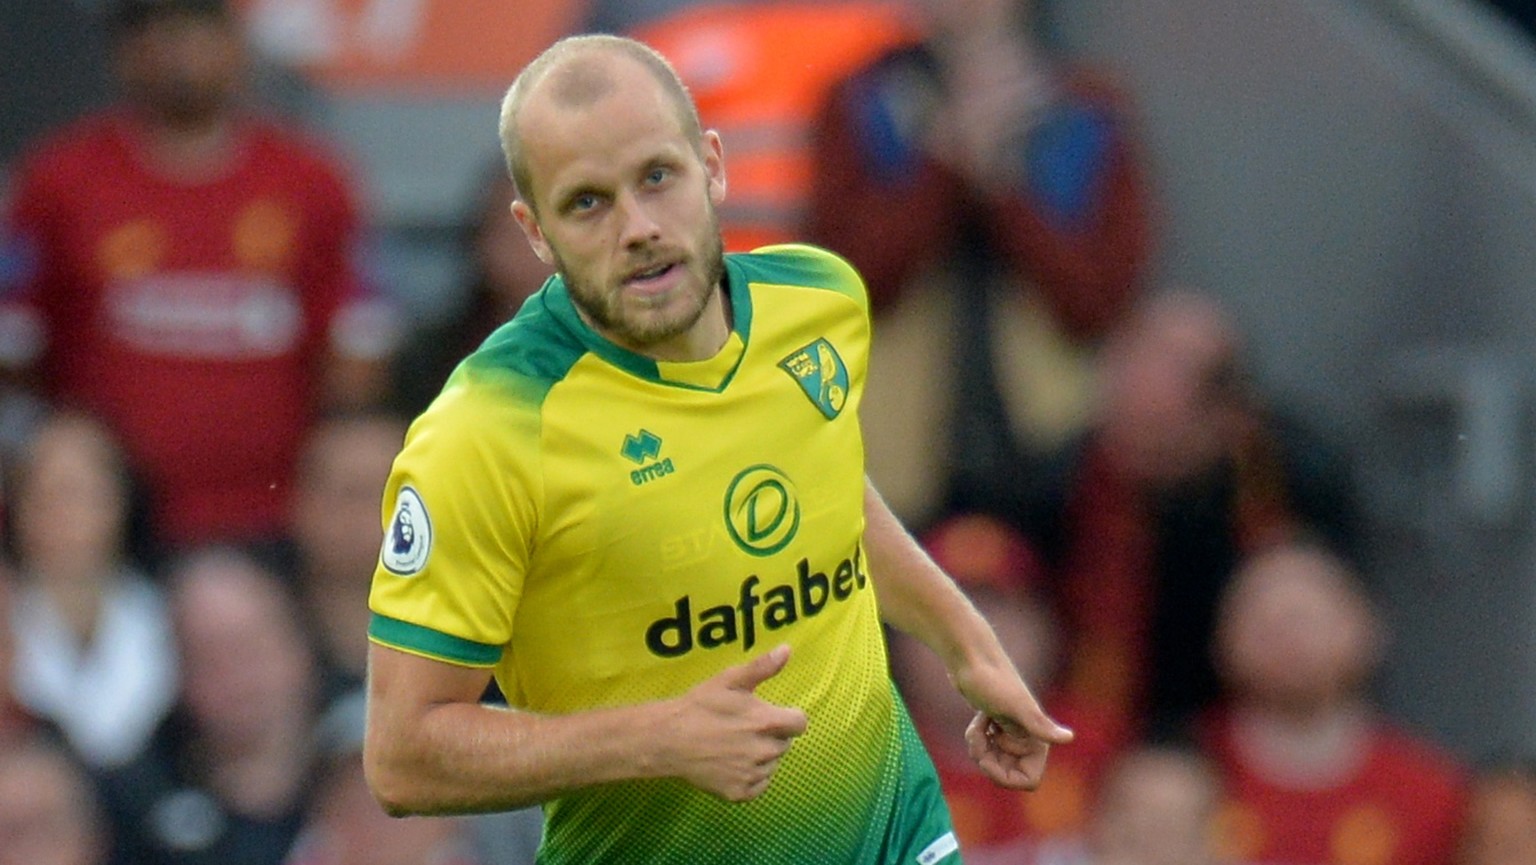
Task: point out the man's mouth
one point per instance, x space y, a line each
650 275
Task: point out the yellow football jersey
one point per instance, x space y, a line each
604 529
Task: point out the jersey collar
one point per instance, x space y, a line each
710 374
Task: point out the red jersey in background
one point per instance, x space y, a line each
1402 805
191 315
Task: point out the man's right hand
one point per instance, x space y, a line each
722 738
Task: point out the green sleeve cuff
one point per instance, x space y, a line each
419 640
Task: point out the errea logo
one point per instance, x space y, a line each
642 446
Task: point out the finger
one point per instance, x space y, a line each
758 787
1032 722
787 722
1011 740
1011 773
976 743
746 677
1043 726
998 766
1018 771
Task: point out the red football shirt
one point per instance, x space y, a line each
1403 806
191 315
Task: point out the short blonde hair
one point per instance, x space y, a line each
583 81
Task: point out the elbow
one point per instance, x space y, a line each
392 788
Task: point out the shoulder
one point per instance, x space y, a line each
305 155
517 365
907 58
77 146
1417 760
804 266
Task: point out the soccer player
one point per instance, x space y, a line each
642 506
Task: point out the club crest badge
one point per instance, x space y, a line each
821 374
408 542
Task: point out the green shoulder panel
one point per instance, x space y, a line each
527 355
804 265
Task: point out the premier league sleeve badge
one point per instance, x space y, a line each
408 542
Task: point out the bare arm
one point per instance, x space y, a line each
1011 734
432 748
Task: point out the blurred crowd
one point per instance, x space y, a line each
204 376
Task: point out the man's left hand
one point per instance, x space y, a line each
1011 735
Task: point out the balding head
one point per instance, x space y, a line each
578 72
1297 629
1155 807
1172 395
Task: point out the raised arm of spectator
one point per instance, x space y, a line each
876 198
1066 207
1075 219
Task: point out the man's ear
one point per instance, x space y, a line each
714 165
529 223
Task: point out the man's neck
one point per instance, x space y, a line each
189 151
1316 748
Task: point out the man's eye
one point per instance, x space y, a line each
584 202
657 175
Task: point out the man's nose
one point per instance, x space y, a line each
638 224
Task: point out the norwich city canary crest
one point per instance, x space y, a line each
821 374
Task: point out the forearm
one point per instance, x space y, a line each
866 217
431 747
1010 735
918 598
1089 272
471 758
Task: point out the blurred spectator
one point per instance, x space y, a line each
337 533
1312 772
1501 819
188 271
758 71
505 271
49 813
1157 807
16 720
1183 471
94 652
980 167
345 824
228 779
1000 574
